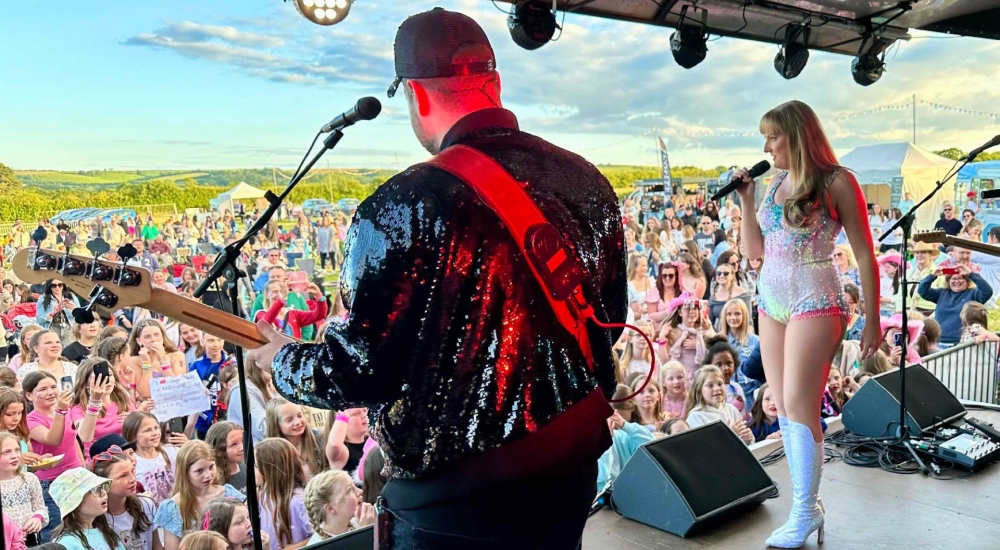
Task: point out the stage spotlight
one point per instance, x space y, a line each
688 42
324 12
532 23
867 68
793 56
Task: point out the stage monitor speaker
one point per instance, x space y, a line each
874 409
688 482
359 539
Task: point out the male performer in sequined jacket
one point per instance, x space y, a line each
489 417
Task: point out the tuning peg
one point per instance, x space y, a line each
98 247
83 315
126 252
39 235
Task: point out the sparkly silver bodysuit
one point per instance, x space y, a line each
798 279
450 342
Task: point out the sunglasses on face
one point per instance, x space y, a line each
947 209
57 285
723 273
683 250
838 254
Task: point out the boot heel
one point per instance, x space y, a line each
819 536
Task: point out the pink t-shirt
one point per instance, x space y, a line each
675 410
108 425
66 447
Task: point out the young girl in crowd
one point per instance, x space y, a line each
707 403
82 346
13 419
834 396
155 462
282 487
226 441
108 332
373 481
190 343
130 514
51 432
347 440
335 506
204 540
46 356
637 356
682 337
674 385
648 409
890 295
196 487
228 378
975 325
764 416
287 421
259 394
723 356
83 504
737 326
675 426
114 406
229 519
24 353
153 355
22 493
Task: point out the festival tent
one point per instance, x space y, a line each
888 171
241 191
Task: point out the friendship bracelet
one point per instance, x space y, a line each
166 367
61 412
147 366
343 418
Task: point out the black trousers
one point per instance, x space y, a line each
543 512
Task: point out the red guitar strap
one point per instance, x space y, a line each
551 261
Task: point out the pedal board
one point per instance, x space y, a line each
970 444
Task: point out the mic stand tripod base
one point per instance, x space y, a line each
903 437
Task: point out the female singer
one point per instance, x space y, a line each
801 299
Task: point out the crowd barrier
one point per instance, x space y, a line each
968 370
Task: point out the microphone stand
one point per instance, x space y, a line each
225 267
906 224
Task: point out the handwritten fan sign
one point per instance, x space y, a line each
178 396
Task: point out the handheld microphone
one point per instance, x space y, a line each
755 172
975 152
367 108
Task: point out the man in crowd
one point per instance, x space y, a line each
146 259
706 237
483 402
159 246
948 223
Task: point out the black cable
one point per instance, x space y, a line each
498 7
303 161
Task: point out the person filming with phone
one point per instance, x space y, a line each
963 287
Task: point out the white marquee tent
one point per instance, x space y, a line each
876 166
241 191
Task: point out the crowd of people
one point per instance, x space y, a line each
693 292
85 464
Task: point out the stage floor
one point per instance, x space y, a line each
867 508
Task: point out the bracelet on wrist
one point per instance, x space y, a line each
61 412
165 367
147 366
343 418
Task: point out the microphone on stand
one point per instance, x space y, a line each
366 108
755 172
975 152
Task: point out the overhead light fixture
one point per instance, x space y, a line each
532 23
324 12
793 56
688 43
868 66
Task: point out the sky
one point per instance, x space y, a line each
191 84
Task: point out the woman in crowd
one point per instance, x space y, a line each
895 240
725 288
153 355
707 403
282 489
22 493
963 287
83 505
155 461
925 261
764 416
46 355
84 336
648 409
674 387
847 266
668 287
55 308
800 293
875 220
682 337
286 420
24 346
637 355
656 251
692 277
129 513
196 487
335 506
260 391
346 440
721 355
855 321
229 520
226 440
639 283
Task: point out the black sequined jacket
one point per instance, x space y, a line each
450 341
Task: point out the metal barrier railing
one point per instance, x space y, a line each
968 370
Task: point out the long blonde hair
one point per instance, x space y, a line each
695 399
628 354
811 157
309 449
325 488
281 474
741 334
191 452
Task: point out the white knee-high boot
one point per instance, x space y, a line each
805 462
783 425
